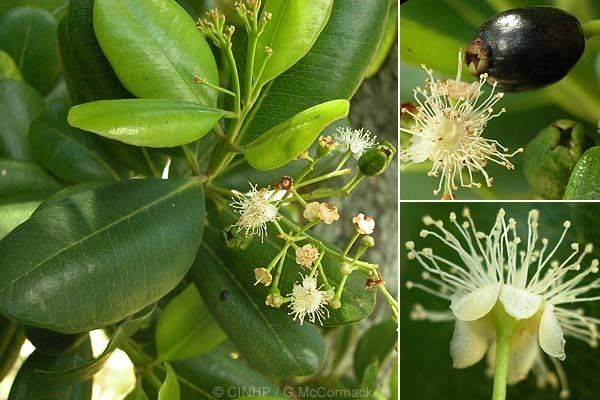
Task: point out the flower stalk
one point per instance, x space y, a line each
505 326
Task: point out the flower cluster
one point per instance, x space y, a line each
313 295
497 273
447 129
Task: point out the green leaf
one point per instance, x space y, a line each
80 249
14 214
19 104
390 35
29 35
375 344
146 122
267 338
8 68
155 49
87 72
286 141
332 69
137 394
85 371
199 376
24 180
71 154
584 183
292 31
185 328
11 339
28 385
170 388
369 377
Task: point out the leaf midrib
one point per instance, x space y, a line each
254 305
96 232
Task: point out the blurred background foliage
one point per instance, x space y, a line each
426 366
432 32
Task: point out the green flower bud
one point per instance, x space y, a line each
367 241
376 160
335 303
551 156
346 268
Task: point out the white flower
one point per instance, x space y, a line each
309 301
262 276
365 225
327 213
448 128
497 268
256 208
357 141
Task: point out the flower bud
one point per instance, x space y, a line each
335 303
346 268
550 157
367 241
376 160
274 300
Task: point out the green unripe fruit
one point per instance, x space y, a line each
376 160
551 156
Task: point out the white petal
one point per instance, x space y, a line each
519 303
522 355
470 342
420 149
551 336
477 303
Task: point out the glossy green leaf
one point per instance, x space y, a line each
170 388
19 179
29 35
54 7
332 69
185 328
84 371
292 31
584 183
375 344
79 250
28 386
155 49
87 72
14 214
11 339
369 377
286 141
8 68
71 154
200 376
19 104
387 41
146 122
267 338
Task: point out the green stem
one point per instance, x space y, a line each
391 301
153 170
344 159
191 159
324 177
591 28
505 326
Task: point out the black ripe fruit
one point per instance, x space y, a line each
526 48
